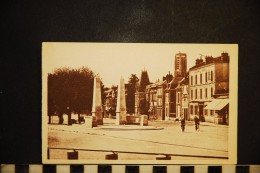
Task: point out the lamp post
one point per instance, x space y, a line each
69 116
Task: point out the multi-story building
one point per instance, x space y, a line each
170 97
180 64
209 80
155 100
182 98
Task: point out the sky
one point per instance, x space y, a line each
115 60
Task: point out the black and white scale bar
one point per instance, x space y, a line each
17 168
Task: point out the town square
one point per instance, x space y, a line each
181 115
169 140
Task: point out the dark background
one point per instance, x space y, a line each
26 24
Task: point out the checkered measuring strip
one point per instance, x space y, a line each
15 168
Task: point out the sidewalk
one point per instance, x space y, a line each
189 123
129 127
213 125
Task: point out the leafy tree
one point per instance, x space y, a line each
70 90
131 89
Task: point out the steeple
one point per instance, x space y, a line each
144 81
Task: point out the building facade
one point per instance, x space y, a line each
208 80
170 97
203 91
182 98
155 100
175 110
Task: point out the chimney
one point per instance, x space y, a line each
199 61
224 57
209 59
164 78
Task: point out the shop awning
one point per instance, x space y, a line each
222 104
212 104
217 104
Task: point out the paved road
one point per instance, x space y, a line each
211 140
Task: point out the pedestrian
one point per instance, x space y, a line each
197 122
183 124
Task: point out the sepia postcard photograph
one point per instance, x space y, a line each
139 103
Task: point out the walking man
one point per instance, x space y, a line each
197 122
183 124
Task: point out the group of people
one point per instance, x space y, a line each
196 121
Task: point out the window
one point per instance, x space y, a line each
206 77
211 92
191 94
196 110
201 78
196 96
211 112
205 112
191 109
200 93
195 79
160 91
206 93
211 76
191 80
159 102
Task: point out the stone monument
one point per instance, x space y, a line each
121 104
97 103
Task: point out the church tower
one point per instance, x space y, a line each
180 64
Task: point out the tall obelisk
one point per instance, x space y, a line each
97 103
121 104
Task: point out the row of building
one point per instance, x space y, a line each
202 91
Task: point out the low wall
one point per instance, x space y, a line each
137 120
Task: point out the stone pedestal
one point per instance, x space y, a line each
90 121
121 104
97 103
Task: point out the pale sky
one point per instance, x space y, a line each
115 60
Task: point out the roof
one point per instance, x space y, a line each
156 84
200 65
174 82
224 58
